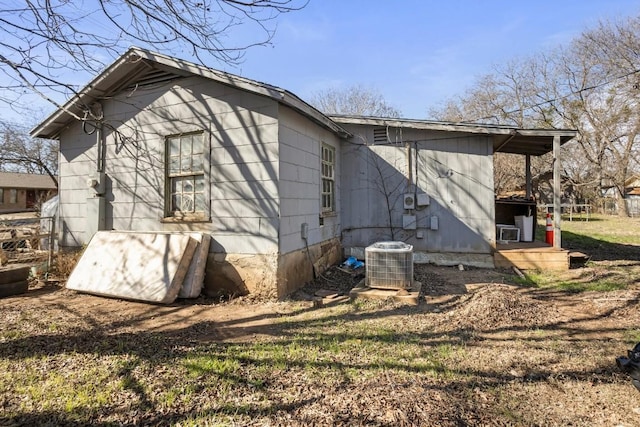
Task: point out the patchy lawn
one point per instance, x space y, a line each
483 350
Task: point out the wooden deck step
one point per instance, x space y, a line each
578 259
534 258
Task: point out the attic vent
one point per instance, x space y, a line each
379 135
153 77
389 265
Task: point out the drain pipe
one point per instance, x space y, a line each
95 202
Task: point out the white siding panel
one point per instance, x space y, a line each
455 171
243 131
300 141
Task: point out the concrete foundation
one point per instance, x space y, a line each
295 268
241 274
268 276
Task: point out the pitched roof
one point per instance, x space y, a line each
137 65
26 180
140 66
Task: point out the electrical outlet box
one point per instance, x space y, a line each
434 223
304 231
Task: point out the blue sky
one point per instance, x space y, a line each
416 54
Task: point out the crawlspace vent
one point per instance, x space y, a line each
389 265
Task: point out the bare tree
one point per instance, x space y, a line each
355 100
45 44
21 153
592 86
502 97
598 95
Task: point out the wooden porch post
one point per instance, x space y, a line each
527 172
557 188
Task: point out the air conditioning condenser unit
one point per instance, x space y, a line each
389 265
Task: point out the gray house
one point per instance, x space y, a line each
156 143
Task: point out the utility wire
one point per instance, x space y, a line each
551 101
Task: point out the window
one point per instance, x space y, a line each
1 196
13 196
185 176
328 178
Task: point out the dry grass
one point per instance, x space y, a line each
64 262
481 351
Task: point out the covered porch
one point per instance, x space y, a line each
528 253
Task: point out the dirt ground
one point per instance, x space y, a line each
532 356
242 318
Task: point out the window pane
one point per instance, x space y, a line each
197 163
186 164
198 145
200 183
186 145
187 185
174 165
187 203
176 185
199 202
174 146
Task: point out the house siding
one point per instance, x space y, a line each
242 130
77 159
299 189
454 170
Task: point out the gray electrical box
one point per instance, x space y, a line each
434 223
409 222
423 199
95 216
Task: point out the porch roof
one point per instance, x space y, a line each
506 139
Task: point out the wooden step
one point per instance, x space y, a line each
530 259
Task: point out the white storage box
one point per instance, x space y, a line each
525 224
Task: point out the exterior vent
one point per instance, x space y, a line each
389 265
153 77
380 135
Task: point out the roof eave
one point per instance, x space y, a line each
53 125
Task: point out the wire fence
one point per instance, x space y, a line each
27 241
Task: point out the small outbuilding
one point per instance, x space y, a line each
159 144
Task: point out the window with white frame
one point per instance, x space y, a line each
13 196
186 195
328 178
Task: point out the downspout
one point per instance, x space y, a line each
409 167
96 179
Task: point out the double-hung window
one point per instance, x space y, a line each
186 195
328 179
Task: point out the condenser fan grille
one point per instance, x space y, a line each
389 265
